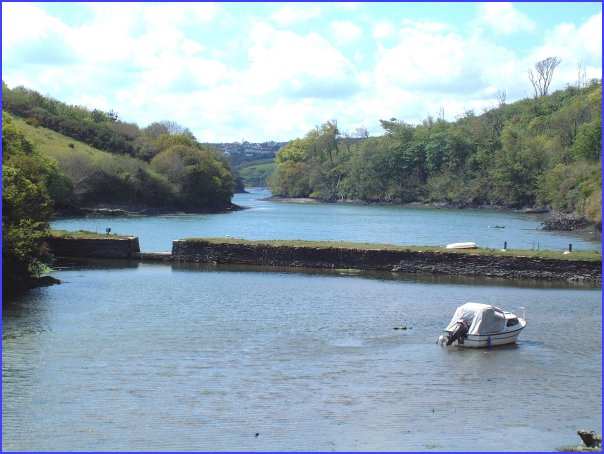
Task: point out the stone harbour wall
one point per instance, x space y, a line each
449 263
415 262
113 248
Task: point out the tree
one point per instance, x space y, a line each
501 95
588 143
543 76
581 75
202 177
26 208
112 116
361 132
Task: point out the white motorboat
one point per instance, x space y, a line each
482 325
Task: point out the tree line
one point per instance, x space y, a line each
541 151
161 166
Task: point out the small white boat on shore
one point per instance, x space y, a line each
477 325
466 245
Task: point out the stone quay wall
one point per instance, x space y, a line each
424 262
110 248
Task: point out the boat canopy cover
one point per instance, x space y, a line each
481 318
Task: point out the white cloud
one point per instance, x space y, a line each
26 22
572 41
422 59
29 33
352 6
295 65
345 32
383 29
502 17
425 26
293 13
227 76
431 67
177 13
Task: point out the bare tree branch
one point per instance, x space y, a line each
543 76
501 94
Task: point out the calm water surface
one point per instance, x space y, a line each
267 220
128 356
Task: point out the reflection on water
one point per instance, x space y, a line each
100 264
197 357
394 276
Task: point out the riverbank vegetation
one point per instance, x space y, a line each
29 181
109 162
542 151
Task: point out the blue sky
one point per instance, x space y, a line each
272 71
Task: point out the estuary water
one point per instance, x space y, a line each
129 356
266 220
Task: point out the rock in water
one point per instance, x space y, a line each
590 438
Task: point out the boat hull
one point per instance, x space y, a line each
491 340
474 341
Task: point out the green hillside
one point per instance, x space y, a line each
111 162
255 173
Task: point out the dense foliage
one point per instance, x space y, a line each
110 162
29 178
536 151
200 176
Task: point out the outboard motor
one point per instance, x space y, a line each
460 331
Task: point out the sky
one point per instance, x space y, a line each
262 71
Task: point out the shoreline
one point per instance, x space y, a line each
120 211
433 205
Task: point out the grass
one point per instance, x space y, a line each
594 256
53 143
77 159
86 234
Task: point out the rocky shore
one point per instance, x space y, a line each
116 211
566 222
590 442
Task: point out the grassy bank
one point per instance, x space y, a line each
594 256
80 234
